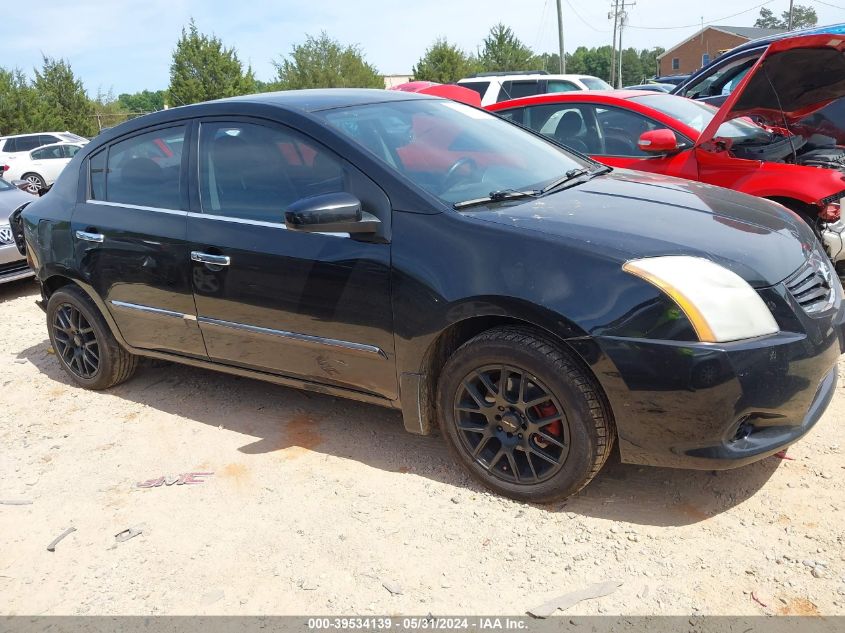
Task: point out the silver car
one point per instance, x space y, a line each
12 264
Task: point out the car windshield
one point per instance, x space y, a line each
451 150
594 83
698 115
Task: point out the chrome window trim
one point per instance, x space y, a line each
138 207
305 338
272 225
150 309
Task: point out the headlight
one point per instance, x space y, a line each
719 304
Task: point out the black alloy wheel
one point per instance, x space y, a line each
523 416
76 342
83 342
511 424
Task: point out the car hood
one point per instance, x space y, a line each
794 78
627 215
11 199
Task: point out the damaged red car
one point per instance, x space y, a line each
764 140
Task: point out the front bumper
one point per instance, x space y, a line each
717 406
12 265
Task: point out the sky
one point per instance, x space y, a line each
126 45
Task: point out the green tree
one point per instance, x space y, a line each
444 63
802 17
17 102
591 61
322 62
204 69
62 101
550 62
109 111
502 50
144 101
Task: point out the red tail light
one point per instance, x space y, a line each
831 212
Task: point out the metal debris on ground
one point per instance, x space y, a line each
52 546
169 480
572 598
392 587
15 502
128 533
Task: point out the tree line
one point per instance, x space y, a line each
204 68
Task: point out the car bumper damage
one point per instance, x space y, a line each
718 406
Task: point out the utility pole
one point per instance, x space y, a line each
623 16
615 14
789 22
560 38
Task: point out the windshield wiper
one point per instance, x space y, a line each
497 196
574 174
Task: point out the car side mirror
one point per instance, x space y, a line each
661 141
330 213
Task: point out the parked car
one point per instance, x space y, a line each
529 301
652 87
495 87
796 165
41 166
13 264
447 91
11 147
715 81
675 80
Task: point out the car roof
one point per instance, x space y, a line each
581 95
521 76
326 98
34 134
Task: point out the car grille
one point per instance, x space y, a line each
812 285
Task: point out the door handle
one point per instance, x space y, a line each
208 258
90 237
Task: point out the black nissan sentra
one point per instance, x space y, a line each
427 256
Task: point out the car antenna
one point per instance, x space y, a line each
782 114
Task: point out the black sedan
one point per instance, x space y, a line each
425 255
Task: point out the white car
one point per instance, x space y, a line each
495 87
41 166
18 145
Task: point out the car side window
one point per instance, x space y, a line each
10 144
559 85
518 89
721 81
479 86
26 143
146 169
569 124
621 130
70 150
515 115
47 153
47 139
97 174
255 172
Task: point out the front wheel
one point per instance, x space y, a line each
84 345
522 417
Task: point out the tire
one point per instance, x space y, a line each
83 342
36 182
550 407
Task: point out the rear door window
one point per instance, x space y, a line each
26 143
47 153
145 170
559 85
518 89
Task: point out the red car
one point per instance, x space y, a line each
778 155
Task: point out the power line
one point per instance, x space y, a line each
583 21
828 4
688 26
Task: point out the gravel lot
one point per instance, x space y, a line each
322 506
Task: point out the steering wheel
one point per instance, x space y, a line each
451 174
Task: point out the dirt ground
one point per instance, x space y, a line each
321 506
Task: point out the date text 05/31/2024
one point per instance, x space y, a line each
418 623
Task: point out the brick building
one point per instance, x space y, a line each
706 45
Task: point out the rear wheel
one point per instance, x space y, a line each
522 417
83 343
36 182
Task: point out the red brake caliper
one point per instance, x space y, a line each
554 429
